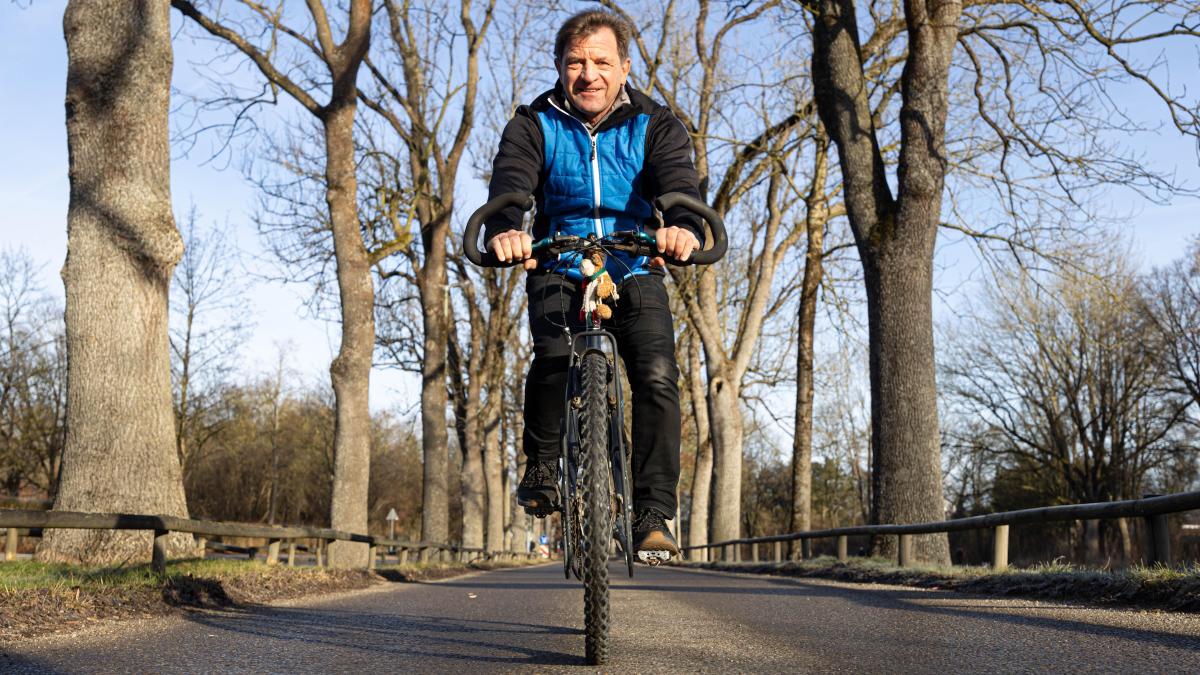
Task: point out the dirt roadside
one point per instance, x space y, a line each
68 606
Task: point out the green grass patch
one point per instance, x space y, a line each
27 574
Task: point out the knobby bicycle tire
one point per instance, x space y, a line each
595 493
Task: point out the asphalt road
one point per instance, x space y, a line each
666 620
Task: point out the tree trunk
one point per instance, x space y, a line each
493 452
895 238
492 476
802 438
907 474
703 472
810 286
351 369
122 245
435 516
473 497
725 415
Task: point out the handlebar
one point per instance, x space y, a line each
493 207
670 200
715 224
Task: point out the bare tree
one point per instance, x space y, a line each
1175 308
351 369
413 104
122 247
895 241
1068 381
749 157
206 332
1019 61
32 380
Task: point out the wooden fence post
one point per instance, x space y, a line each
272 551
1000 548
779 551
320 545
1159 534
754 551
403 556
10 544
1160 539
843 546
806 548
374 552
158 558
202 546
291 554
905 550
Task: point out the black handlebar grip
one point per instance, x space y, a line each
493 207
715 224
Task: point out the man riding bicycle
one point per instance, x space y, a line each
594 154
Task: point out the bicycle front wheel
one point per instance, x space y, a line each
596 496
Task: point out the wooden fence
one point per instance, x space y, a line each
15 520
1153 508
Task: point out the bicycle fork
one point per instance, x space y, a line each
583 343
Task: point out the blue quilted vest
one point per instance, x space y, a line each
591 185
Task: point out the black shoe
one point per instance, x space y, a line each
652 540
538 490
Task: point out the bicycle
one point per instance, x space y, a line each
591 434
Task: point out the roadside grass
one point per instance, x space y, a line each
38 599
1175 588
27 574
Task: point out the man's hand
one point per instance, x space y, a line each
513 245
676 242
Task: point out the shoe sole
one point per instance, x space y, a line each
538 508
656 546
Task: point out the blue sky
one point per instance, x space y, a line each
33 198
34 194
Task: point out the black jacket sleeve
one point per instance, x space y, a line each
669 160
516 168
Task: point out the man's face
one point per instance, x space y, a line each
592 73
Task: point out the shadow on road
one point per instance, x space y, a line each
396 634
11 663
913 600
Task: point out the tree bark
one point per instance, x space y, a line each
350 371
895 238
435 515
810 285
725 415
122 246
703 472
493 479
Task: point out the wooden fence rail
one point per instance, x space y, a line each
14 520
1153 508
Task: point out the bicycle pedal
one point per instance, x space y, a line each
654 558
540 508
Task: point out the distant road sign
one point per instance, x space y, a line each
392 515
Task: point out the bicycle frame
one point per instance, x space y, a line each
597 340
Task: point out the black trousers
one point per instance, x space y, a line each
645 335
